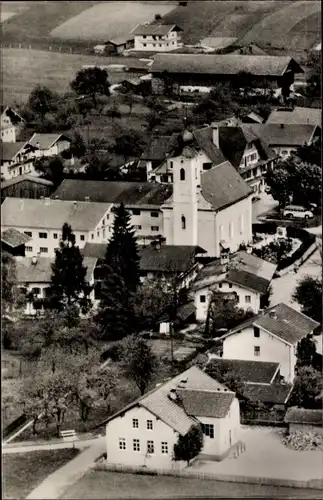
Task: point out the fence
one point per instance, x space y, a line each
67 48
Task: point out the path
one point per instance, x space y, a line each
55 484
26 446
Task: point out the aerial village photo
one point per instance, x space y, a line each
161 249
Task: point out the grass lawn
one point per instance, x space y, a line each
25 471
106 485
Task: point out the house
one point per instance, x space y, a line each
142 199
272 335
13 242
296 116
50 144
305 420
34 276
26 186
245 150
17 158
153 159
285 139
43 220
156 37
144 432
206 70
120 44
10 122
246 276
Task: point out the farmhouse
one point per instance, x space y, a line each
34 276
17 158
144 432
206 70
284 139
296 116
246 276
26 186
270 336
43 220
50 144
156 37
119 44
10 121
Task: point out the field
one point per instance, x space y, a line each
110 19
113 485
24 472
23 69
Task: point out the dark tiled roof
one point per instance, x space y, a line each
302 416
8 150
14 238
248 280
288 135
155 29
223 64
259 372
128 193
169 258
296 116
274 393
97 250
159 148
222 186
204 139
25 177
205 403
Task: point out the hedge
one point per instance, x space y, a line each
307 240
265 227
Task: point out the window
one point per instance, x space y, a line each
136 211
230 285
82 237
164 447
144 44
183 222
150 425
203 298
171 164
103 233
42 235
182 174
138 226
154 214
135 423
35 291
208 430
248 299
207 166
136 444
155 228
256 350
43 250
220 285
122 444
144 36
55 236
28 233
150 447
29 249
256 331
92 236
98 233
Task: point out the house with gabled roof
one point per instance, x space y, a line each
156 37
17 158
296 116
246 276
10 122
50 144
272 336
14 242
144 432
26 186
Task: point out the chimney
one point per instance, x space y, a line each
273 314
172 395
215 134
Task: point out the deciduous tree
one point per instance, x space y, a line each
223 313
308 294
91 81
189 445
42 100
51 167
308 387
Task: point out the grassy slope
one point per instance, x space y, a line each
24 472
108 20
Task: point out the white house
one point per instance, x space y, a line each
9 123
34 278
156 37
144 432
17 158
50 144
271 336
43 220
243 274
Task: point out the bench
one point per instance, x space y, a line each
68 435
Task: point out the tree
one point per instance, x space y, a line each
128 98
227 377
139 362
308 294
223 313
189 445
90 82
51 167
42 100
310 154
77 147
306 350
278 183
308 387
154 298
12 298
69 286
313 87
121 279
129 143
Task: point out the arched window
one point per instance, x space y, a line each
182 174
231 230
241 223
183 222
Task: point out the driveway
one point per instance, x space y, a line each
266 456
264 205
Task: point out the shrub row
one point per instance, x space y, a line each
307 240
266 227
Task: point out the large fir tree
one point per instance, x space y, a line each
121 279
69 286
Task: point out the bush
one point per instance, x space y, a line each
307 240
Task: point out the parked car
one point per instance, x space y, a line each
297 212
